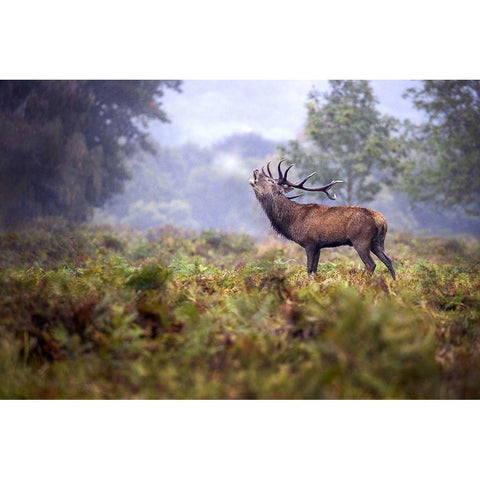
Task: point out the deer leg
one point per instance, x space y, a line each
313 255
363 251
378 250
316 258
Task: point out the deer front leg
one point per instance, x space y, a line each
313 255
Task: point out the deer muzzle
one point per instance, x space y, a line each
252 181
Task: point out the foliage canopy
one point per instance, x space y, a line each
349 140
62 143
447 168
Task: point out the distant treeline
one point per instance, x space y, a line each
202 188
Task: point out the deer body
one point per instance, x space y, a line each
315 226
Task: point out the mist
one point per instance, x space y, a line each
146 154
221 130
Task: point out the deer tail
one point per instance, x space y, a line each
382 228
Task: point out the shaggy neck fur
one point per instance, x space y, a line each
280 211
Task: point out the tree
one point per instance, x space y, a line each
349 140
447 167
63 143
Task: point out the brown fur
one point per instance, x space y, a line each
315 226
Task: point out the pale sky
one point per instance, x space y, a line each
209 110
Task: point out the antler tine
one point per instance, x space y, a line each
302 183
287 170
268 168
280 174
295 196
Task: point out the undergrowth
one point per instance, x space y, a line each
97 312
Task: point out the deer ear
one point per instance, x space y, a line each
287 189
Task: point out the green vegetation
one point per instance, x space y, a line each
103 313
348 139
446 169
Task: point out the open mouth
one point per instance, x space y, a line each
254 179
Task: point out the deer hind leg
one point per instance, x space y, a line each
363 250
378 250
313 255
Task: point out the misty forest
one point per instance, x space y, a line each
140 257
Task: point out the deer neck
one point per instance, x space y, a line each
280 211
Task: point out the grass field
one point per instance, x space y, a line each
96 312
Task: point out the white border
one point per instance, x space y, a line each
238 439
244 40
215 39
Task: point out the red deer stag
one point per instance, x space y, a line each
315 226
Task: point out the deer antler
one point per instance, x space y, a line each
269 172
282 180
295 196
